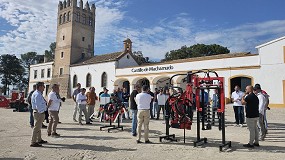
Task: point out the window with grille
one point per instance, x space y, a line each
88 80
104 80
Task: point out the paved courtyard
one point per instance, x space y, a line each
88 142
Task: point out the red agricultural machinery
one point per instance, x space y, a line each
181 105
17 102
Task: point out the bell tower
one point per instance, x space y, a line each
127 45
74 39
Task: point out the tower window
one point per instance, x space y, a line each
42 73
77 17
88 80
35 74
84 19
48 73
61 55
83 38
128 57
90 21
68 16
60 19
63 37
104 80
64 17
60 71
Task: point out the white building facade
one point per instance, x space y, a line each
41 72
266 68
120 69
100 71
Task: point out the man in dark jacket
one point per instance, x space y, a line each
134 109
250 100
30 106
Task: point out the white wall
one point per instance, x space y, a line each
196 65
272 70
96 71
272 53
126 61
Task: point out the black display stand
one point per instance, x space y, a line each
117 127
199 139
169 137
222 127
110 125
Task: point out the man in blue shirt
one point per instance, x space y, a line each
39 107
102 103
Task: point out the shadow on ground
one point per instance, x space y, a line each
87 147
95 137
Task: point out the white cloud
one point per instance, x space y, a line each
35 23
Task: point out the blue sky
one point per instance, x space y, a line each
154 26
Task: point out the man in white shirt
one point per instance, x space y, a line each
76 109
39 107
238 107
261 108
81 99
53 108
161 99
143 100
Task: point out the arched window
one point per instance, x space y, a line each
104 80
88 80
84 19
90 21
77 17
74 81
68 16
64 17
60 19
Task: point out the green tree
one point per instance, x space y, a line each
140 59
197 50
11 71
28 59
49 54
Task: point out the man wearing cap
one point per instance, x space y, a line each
76 91
261 108
39 107
266 107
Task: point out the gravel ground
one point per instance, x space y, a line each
88 142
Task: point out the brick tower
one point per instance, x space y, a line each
74 39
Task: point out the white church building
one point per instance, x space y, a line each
120 69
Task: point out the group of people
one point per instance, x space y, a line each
83 100
39 108
256 103
144 105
